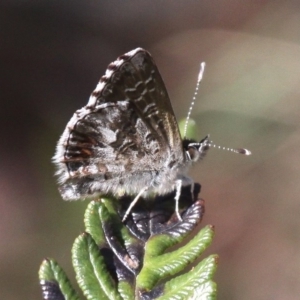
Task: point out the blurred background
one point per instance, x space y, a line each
52 54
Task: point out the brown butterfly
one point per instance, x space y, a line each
126 139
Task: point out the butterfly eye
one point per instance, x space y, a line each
193 154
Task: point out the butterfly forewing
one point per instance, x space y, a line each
135 78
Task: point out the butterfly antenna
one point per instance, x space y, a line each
235 150
200 76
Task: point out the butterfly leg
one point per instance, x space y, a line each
134 201
192 188
177 196
189 181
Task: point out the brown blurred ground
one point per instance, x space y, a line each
51 57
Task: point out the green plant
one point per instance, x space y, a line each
143 258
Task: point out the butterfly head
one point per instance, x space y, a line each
196 150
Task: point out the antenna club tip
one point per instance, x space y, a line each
202 67
244 151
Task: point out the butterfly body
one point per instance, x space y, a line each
126 138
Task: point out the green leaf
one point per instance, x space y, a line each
159 267
93 223
91 272
54 281
195 283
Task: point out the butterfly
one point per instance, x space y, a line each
126 140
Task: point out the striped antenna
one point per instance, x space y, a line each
243 151
200 76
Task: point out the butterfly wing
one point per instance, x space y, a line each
124 136
134 77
